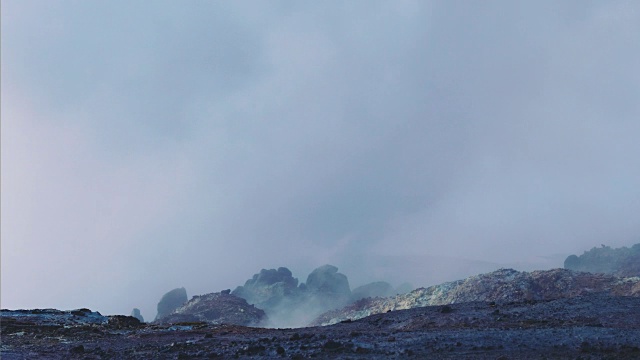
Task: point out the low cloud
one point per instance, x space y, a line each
146 148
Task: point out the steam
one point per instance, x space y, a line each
148 148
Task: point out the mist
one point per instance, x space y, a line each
147 147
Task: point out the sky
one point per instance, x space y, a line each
154 145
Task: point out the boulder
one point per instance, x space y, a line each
171 301
329 287
268 288
216 308
136 314
289 304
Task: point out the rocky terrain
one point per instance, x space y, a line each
505 314
216 308
592 326
622 261
501 285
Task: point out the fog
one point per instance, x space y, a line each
153 145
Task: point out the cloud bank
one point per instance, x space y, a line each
152 146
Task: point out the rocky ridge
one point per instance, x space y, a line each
216 308
504 285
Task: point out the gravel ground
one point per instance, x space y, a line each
595 326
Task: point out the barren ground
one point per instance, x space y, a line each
595 326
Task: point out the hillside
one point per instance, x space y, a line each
505 285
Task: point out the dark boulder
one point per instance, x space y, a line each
171 301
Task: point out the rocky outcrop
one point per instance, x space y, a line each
622 261
276 292
268 288
504 285
216 308
136 314
328 286
53 320
171 301
289 304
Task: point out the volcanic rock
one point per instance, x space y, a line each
268 288
136 314
216 308
504 285
171 301
328 285
622 261
288 304
593 326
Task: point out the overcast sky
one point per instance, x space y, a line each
153 145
